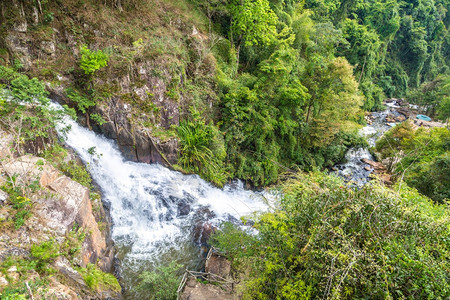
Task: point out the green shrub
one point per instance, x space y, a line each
83 103
44 254
19 291
29 90
202 149
21 204
28 115
161 284
98 280
92 61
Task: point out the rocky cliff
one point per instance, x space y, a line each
159 65
58 235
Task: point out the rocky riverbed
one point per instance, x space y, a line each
361 166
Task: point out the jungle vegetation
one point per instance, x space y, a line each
294 77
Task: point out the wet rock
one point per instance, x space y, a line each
373 164
183 209
202 232
404 111
367 168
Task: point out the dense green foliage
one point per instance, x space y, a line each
25 112
202 149
305 69
98 280
325 240
423 158
161 284
434 97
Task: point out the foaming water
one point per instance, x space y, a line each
353 170
156 213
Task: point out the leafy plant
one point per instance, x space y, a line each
161 284
97 118
98 280
21 204
201 149
27 114
83 103
92 61
44 254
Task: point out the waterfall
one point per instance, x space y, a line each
155 210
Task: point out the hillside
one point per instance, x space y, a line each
270 92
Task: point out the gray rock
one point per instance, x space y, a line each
3 197
48 47
3 281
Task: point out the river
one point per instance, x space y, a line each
353 170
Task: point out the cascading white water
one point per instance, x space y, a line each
353 169
154 210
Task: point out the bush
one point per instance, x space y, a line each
98 280
21 204
44 254
92 61
325 240
202 149
83 103
27 114
161 284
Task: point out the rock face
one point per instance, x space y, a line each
137 142
58 203
70 205
219 266
140 94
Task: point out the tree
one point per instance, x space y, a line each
252 23
334 98
161 284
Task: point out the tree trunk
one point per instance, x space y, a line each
309 112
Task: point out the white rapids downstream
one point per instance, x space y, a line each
155 210
353 169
